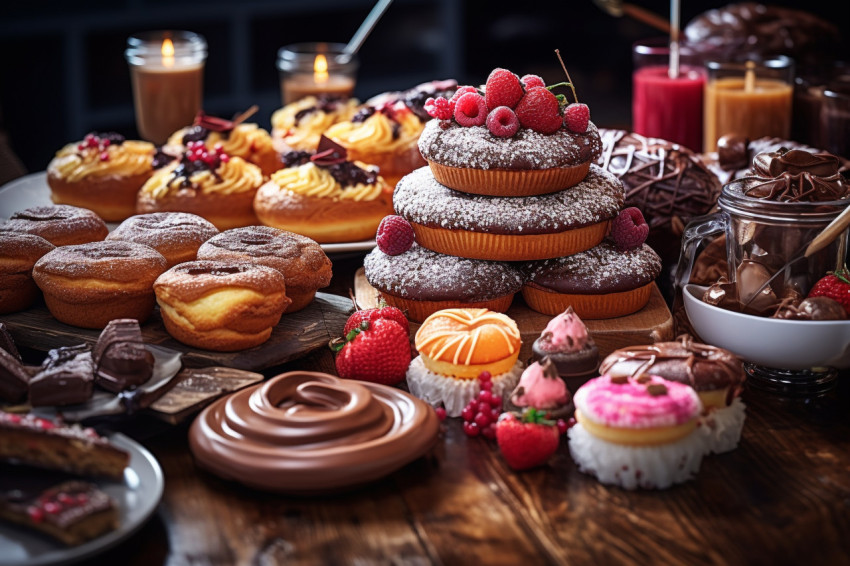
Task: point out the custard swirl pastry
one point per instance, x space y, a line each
300 124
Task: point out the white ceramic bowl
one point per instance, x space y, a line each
772 342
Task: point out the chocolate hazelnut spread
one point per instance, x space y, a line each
794 176
312 432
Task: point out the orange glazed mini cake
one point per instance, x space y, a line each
325 197
516 138
455 346
509 228
102 173
300 124
208 183
233 137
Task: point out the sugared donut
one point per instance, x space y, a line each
176 235
602 282
509 228
88 285
221 305
59 224
421 282
18 254
301 260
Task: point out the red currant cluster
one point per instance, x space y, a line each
565 425
96 143
197 151
481 413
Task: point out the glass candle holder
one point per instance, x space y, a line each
663 106
316 69
167 72
752 99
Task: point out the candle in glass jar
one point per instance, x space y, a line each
316 69
752 103
166 69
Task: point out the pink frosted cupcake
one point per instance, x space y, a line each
541 388
637 433
566 342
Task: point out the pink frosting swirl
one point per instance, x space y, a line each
646 402
564 333
541 387
309 432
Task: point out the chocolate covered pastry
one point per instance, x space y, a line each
120 358
66 377
813 308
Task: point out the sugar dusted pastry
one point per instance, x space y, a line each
455 346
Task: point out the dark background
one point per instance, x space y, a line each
63 73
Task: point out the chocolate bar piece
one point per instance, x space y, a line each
66 377
120 359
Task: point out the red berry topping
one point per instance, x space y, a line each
482 419
468 414
395 235
460 92
502 122
485 397
52 508
486 385
629 230
496 401
441 413
539 111
35 513
370 315
836 286
489 431
439 108
484 376
471 429
577 117
529 81
66 499
562 426
471 110
104 156
502 89
377 351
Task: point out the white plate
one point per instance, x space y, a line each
771 342
136 497
32 190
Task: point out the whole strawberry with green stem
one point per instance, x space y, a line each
835 285
376 350
527 440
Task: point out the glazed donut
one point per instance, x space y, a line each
509 228
421 282
221 305
176 235
88 285
602 282
18 254
301 260
59 224
472 160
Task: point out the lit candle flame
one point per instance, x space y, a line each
167 52
320 69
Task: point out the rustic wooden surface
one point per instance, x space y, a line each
653 323
782 497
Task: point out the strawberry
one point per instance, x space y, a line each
629 230
539 110
835 285
577 117
376 351
527 441
502 89
371 315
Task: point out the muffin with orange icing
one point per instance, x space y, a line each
103 173
300 124
233 137
455 346
324 196
209 183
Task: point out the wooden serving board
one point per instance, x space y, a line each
295 336
653 323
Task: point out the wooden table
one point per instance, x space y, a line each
782 497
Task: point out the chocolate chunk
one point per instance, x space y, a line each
14 380
620 379
644 379
120 358
656 389
66 377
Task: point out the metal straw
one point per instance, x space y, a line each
366 27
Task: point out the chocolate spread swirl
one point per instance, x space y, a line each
796 176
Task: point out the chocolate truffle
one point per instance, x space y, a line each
120 358
66 377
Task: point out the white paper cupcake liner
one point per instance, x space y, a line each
721 428
455 394
632 467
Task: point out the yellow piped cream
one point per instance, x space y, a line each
375 133
126 159
312 181
234 176
305 132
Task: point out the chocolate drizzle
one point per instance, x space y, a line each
795 176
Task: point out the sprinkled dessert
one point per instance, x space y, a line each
299 125
567 344
516 138
637 433
103 173
324 196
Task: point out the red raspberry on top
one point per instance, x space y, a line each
629 230
529 81
439 108
539 110
460 92
502 122
471 110
502 89
577 117
395 235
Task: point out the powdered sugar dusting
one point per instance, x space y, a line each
475 147
423 274
106 260
602 269
420 198
159 229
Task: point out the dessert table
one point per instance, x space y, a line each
781 497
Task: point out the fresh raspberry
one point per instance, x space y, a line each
835 286
370 315
460 92
395 235
502 89
576 117
377 351
629 230
502 122
529 81
438 108
471 110
539 110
